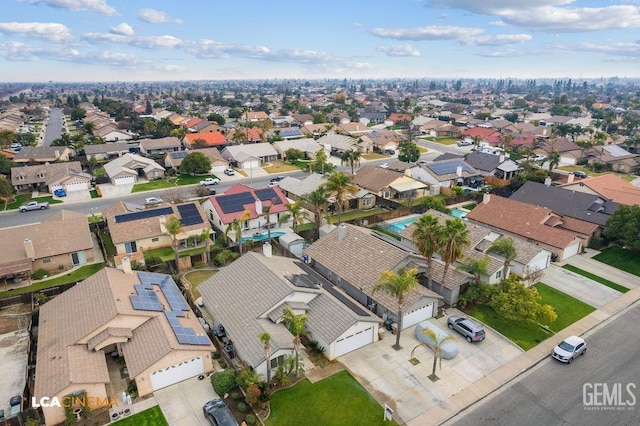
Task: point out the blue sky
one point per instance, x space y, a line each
142 40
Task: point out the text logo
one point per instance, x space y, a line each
74 401
609 396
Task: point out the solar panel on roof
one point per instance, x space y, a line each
234 202
268 194
291 132
143 214
449 167
189 215
179 154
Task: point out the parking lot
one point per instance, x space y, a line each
389 376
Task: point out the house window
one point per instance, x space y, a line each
47 260
499 274
130 247
275 362
366 202
41 175
155 239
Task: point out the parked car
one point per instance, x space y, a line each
539 157
151 201
210 181
277 179
229 172
569 348
218 414
471 330
33 205
390 151
448 350
580 174
60 192
465 143
272 184
384 165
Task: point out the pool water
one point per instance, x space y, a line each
459 213
400 225
261 237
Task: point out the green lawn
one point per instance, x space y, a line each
24 198
442 140
336 400
356 214
196 278
166 253
569 309
596 278
150 417
94 193
169 182
77 275
625 260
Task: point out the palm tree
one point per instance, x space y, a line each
398 285
504 247
426 238
207 241
296 213
339 185
476 267
174 226
296 325
265 338
318 199
351 157
454 239
236 227
438 342
266 209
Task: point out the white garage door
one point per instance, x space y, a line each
76 186
124 180
571 251
353 342
177 373
417 315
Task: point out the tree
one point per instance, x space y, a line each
217 118
5 165
296 213
438 342
205 236
517 302
339 185
408 152
623 226
351 157
266 210
426 237
7 137
5 190
318 199
292 155
454 239
195 163
265 338
236 227
320 164
476 266
398 285
296 325
174 226
506 248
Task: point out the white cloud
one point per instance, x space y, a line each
399 50
22 52
147 42
156 17
495 7
433 32
105 38
98 6
57 33
497 40
122 29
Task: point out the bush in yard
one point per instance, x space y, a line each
223 381
235 395
242 407
195 163
39 274
316 347
250 419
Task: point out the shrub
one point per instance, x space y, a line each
223 381
39 274
250 419
198 265
235 395
247 377
316 347
242 407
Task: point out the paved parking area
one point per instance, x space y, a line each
389 376
182 403
582 288
13 358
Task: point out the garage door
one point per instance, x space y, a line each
571 251
124 180
417 315
177 373
76 186
353 342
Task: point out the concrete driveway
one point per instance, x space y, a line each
182 403
582 288
388 375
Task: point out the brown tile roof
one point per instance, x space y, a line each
161 143
375 178
612 187
50 172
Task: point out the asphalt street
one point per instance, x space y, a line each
54 126
581 393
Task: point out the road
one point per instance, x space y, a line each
553 393
53 128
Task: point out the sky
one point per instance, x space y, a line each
159 40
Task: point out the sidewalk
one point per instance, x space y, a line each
457 403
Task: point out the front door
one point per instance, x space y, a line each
78 258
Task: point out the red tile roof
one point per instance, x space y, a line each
192 122
227 218
479 131
210 138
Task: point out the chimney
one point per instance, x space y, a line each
547 182
28 248
259 206
502 157
266 249
486 198
544 132
570 178
459 171
342 231
126 266
163 224
56 154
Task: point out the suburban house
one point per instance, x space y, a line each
337 322
247 135
567 150
295 188
140 317
205 126
353 258
255 116
247 156
608 186
159 146
246 205
287 133
202 140
307 145
135 229
446 173
614 158
389 184
129 168
68 176
218 163
43 154
318 130
564 236
354 129
106 151
111 133
48 244
340 143
492 165
383 139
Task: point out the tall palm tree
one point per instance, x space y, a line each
174 226
236 227
438 341
426 238
339 185
296 325
265 338
398 285
318 199
476 267
296 213
351 157
205 236
266 209
454 239
504 247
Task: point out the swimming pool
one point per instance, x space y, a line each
459 213
399 225
261 237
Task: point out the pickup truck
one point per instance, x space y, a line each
210 181
33 205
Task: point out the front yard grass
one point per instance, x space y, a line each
171 182
596 278
623 259
336 400
375 156
443 140
569 309
280 167
25 198
150 417
64 278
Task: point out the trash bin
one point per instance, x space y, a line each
388 323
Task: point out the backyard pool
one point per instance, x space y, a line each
398 225
459 213
261 237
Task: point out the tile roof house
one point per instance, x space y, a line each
608 186
354 129
383 139
340 143
48 245
248 297
614 157
111 133
307 145
389 184
250 135
218 163
135 229
247 156
446 173
295 188
128 168
208 139
317 130
43 154
353 258
52 176
569 152
254 116
105 151
492 165
140 316
543 226
159 146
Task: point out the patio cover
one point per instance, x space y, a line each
408 186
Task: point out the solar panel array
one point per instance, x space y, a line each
234 202
290 132
179 154
145 299
143 214
189 215
185 335
448 167
268 194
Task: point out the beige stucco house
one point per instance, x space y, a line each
129 168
